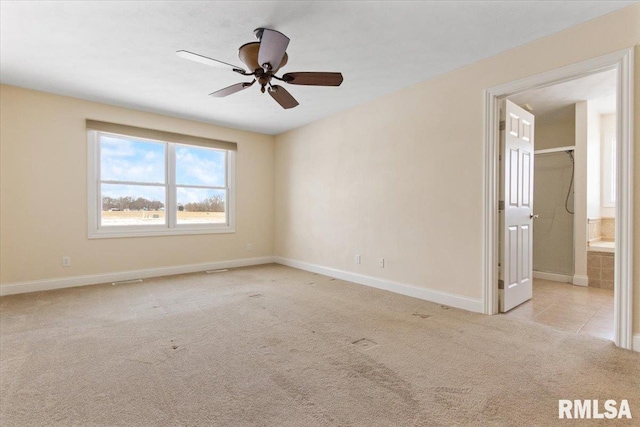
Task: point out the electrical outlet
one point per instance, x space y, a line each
249 246
381 262
66 261
358 259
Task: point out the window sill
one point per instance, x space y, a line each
157 232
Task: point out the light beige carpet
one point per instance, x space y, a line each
275 346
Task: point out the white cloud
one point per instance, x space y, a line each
124 160
200 166
151 156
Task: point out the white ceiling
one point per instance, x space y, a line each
123 53
557 102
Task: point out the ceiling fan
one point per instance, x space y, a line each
263 59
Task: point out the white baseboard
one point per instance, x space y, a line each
552 276
69 282
439 297
636 343
580 280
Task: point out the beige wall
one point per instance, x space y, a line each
43 148
555 133
553 229
402 176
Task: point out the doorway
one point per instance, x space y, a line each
621 64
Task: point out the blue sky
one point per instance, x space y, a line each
199 166
143 161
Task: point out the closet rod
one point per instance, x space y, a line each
555 150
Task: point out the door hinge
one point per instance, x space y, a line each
501 205
500 284
503 125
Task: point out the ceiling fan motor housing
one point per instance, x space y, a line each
248 54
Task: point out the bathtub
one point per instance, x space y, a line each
602 247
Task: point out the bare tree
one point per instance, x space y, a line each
212 204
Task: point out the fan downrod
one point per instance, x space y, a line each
258 33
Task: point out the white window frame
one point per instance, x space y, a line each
612 199
609 171
171 227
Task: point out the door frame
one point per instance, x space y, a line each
623 62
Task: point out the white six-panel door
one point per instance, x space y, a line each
516 255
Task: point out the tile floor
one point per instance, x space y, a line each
580 309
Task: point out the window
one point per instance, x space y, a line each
141 186
613 174
609 171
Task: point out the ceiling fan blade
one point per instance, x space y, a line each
282 97
205 60
313 79
230 90
273 45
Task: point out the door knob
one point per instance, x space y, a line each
532 216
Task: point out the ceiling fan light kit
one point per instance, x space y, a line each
264 59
